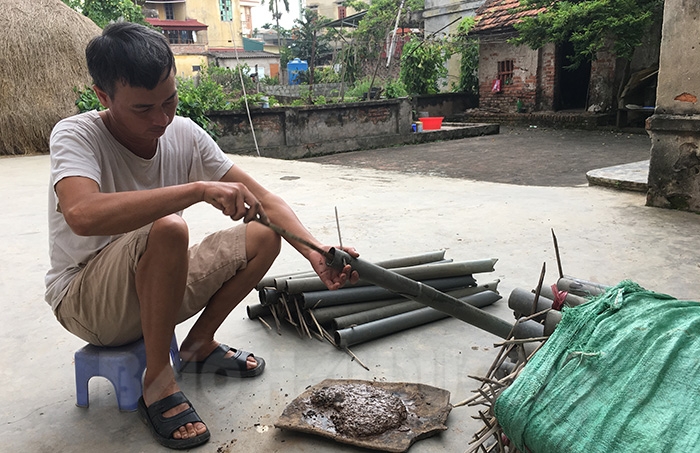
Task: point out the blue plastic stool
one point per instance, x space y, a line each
123 366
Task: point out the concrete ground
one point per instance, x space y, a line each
604 235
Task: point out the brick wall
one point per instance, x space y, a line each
525 82
548 77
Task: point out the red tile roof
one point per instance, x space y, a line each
168 24
500 15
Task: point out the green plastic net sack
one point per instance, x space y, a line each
620 373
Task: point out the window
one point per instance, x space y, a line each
169 13
342 12
196 68
505 72
179 36
225 10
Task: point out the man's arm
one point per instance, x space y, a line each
90 212
279 213
276 209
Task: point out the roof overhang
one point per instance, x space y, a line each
166 24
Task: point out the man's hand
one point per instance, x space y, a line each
233 199
332 278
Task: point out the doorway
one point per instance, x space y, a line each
573 83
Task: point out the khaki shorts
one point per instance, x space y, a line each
101 305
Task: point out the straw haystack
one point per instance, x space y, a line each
42 60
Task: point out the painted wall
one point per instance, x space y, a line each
329 8
220 33
264 64
184 64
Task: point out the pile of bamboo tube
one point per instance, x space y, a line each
363 312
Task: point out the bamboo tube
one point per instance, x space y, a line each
521 301
257 311
326 314
528 329
580 287
347 337
316 299
363 317
412 260
418 272
479 300
422 293
551 322
269 296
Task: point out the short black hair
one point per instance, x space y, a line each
129 53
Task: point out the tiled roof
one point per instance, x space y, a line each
167 24
500 15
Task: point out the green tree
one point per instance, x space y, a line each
373 29
468 48
589 25
309 40
102 12
423 64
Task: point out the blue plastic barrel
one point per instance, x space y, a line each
294 67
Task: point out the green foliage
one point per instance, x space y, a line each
379 21
285 55
395 89
229 78
87 99
196 99
267 80
588 25
254 100
102 12
347 58
356 92
326 74
310 42
423 64
468 48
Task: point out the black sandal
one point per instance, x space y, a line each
235 366
163 428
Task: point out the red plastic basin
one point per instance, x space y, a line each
431 123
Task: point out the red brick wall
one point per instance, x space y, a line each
532 82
